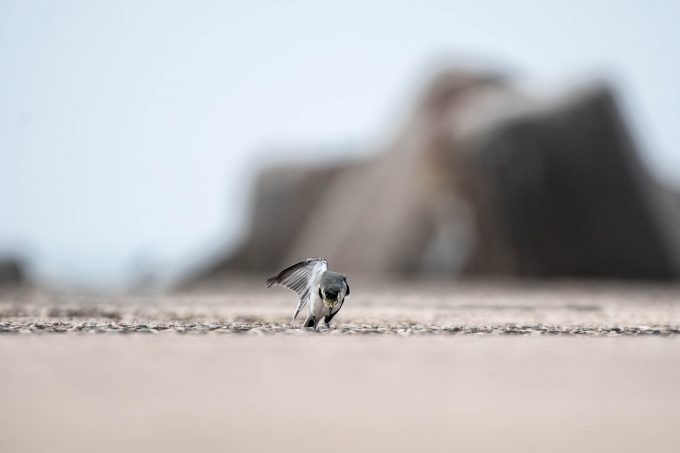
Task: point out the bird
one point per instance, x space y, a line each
323 290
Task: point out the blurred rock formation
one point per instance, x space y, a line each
12 272
560 190
482 179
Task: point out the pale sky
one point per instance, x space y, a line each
130 132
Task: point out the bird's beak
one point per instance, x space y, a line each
330 303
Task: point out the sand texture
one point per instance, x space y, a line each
417 367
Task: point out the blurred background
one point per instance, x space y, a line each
165 144
498 180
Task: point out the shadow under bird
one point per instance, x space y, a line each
323 290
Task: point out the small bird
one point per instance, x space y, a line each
325 291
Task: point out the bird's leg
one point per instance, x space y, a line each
310 322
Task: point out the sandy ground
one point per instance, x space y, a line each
423 367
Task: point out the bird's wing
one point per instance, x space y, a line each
300 278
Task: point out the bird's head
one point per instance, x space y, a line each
330 295
332 288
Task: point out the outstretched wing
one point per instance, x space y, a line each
300 278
